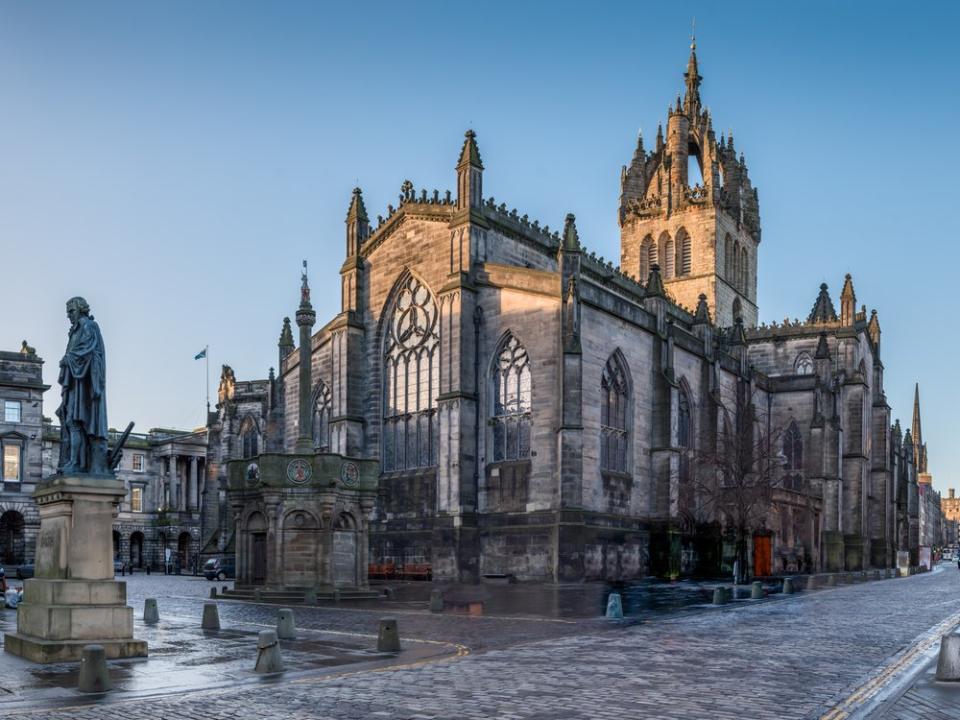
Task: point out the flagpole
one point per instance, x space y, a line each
206 356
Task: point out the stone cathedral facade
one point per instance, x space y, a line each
534 408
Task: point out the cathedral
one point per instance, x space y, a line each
538 413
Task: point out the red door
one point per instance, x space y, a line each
761 556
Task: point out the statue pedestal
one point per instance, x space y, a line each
73 599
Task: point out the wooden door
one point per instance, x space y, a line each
258 565
761 556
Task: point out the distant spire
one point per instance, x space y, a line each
848 301
357 210
702 314
691 102
655 282
823 310
739 335
571 240
470 153
917 430
286 335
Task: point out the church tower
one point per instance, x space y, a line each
688 206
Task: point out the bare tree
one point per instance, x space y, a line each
735 480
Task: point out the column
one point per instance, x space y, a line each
193 503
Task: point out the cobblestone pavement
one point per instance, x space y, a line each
791 657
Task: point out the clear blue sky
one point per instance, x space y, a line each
173 162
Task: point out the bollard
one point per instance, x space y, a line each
787 586
811 582
436 601
286 629
614 606
310 597
213 593
831 580
258 595
268 653
719 596
94 676
388 639
756 592
948 664
211 617
150 612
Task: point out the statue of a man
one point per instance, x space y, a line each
83 407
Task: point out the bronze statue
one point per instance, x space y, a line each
83 407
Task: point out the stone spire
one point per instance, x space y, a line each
918 445
823 310
306 317
358 224
655 283
469 174
571 239
285 344
848 302
691 101
702 314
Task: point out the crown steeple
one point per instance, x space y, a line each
691 101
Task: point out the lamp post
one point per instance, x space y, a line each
203 502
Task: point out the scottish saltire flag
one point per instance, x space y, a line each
200 355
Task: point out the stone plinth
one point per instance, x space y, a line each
74 601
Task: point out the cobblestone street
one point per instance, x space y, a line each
782 658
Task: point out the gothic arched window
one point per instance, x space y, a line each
728 259
793 448
744 270
684 255
648 257
512 394
321 416
737 266
803 365
411 378
683 420
249 438
669 255
614 404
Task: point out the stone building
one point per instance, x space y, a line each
163 470
21 429
539 412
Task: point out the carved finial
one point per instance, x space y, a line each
304 287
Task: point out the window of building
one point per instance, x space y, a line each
411 369
12 451
683 420
668 253
803 365
648 257
136 499
138 462
11 411
614 401
793 448
321 416
684 254
249 439
512 395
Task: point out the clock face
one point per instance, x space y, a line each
299 471
350 474
253 474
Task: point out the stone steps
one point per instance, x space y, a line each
298 597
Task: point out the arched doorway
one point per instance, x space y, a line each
12 543
116 544
183 550
255 566
136 550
